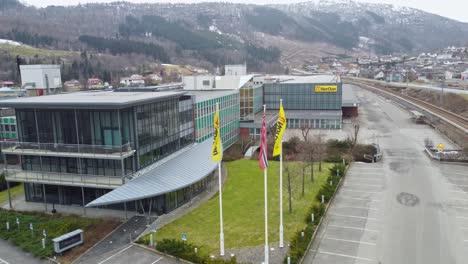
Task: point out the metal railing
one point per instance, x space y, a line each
70 149
63 178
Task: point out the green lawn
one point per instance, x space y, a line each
15 191
243 208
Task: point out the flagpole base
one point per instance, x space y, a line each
281 242
221 244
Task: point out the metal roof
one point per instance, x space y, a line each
312 79
89 100
203 95
185 169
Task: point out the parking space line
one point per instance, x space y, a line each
360 217
355 207
353 190
342 255
457 185
357 228
361 184
462 217
453 172
115 254
458 199
355 198
350 241
456 191
157 260
460 207
2 261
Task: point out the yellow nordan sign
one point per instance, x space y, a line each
326 88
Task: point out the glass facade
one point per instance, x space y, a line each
228 116
8 130
297 96
159 129
314 123
251 101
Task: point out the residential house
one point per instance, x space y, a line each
135 80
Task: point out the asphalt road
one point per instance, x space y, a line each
10 254
406 209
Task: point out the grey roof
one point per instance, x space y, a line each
89 100
312 79
348 96
203 95
185 169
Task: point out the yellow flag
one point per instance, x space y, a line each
216 150
280 127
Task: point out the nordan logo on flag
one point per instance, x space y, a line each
216 150
279 131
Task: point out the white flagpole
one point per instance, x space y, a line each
281 243
221 229
266 204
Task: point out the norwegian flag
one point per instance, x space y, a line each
262 158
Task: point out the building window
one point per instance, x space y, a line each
206 82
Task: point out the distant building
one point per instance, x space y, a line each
153 79
41 79
8 84
72 86
95 83
464 76
135 80
380 76
235 70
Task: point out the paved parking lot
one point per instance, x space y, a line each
354 222
406 209
135 254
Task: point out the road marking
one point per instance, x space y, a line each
353 190
357 228
462 217
363 178
355 207
458 199
3 261
115 254
353 216
342 255
456 191
157 260
453 172
350 241
361 184
460 207
458 185
355 198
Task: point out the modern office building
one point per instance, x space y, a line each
41 79
204 109
111 149
312 101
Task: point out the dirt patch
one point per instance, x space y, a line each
91 236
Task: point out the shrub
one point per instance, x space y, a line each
184 250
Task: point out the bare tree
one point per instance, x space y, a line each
288 167
320 148
354 134
307 153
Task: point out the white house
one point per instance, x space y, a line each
133 80
235 70
464 76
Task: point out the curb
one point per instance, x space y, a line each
324 214
161 253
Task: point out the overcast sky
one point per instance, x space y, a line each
455 9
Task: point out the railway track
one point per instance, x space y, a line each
451 118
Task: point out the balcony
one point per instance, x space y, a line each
68 150
59 178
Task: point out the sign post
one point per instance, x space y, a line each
8 226
184 237
32 229
17 222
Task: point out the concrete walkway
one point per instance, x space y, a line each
19 204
